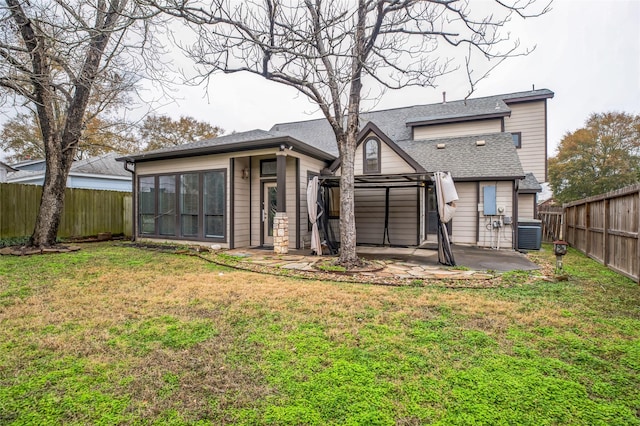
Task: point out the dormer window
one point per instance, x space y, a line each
371 153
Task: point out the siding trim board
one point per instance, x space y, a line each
228 148
232 210
458 119
297 228
546 153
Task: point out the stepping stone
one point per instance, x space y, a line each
301 266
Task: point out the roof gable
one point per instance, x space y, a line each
372 128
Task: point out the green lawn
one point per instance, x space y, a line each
113 334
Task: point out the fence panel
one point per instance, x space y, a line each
607 227
86 212
552 222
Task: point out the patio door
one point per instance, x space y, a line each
269 205
432 216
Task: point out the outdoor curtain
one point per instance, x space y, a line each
446 194
314 215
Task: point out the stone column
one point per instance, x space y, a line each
281 233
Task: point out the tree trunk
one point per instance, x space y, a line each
347 149
348 256
53 190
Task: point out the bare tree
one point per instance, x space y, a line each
328 50
68 60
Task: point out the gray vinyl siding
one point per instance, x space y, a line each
390 162
464 222
529 118
526 206
403 216
488 236
467 128
241 204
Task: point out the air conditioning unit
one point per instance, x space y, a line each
529 234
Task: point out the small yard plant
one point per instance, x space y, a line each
330 266
117 335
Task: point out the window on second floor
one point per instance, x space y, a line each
517 139
371 159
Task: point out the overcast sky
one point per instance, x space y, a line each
587 52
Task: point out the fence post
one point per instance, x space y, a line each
605 233
587 231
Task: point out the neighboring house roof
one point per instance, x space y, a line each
37 164
104 166
253 139
465 159
101 165
529 185
7 167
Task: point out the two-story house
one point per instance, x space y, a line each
230 190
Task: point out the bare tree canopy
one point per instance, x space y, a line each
328 50
67 61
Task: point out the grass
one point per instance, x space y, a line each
118 335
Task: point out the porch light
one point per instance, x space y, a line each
245 173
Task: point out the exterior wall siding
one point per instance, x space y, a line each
241 206
488 236
403 216
467 128
529 119
526 206
464 222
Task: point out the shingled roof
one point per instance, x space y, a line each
315 137
252 139
396 123
496 158
529 184
104 165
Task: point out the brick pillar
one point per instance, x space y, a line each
281 233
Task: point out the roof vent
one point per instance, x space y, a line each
440 146
497 105
480 143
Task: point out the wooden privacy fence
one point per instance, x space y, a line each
605 227
551 218
86 211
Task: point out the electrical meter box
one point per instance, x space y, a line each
490 205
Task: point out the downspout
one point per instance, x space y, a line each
133 197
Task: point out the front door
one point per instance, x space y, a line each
269 204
